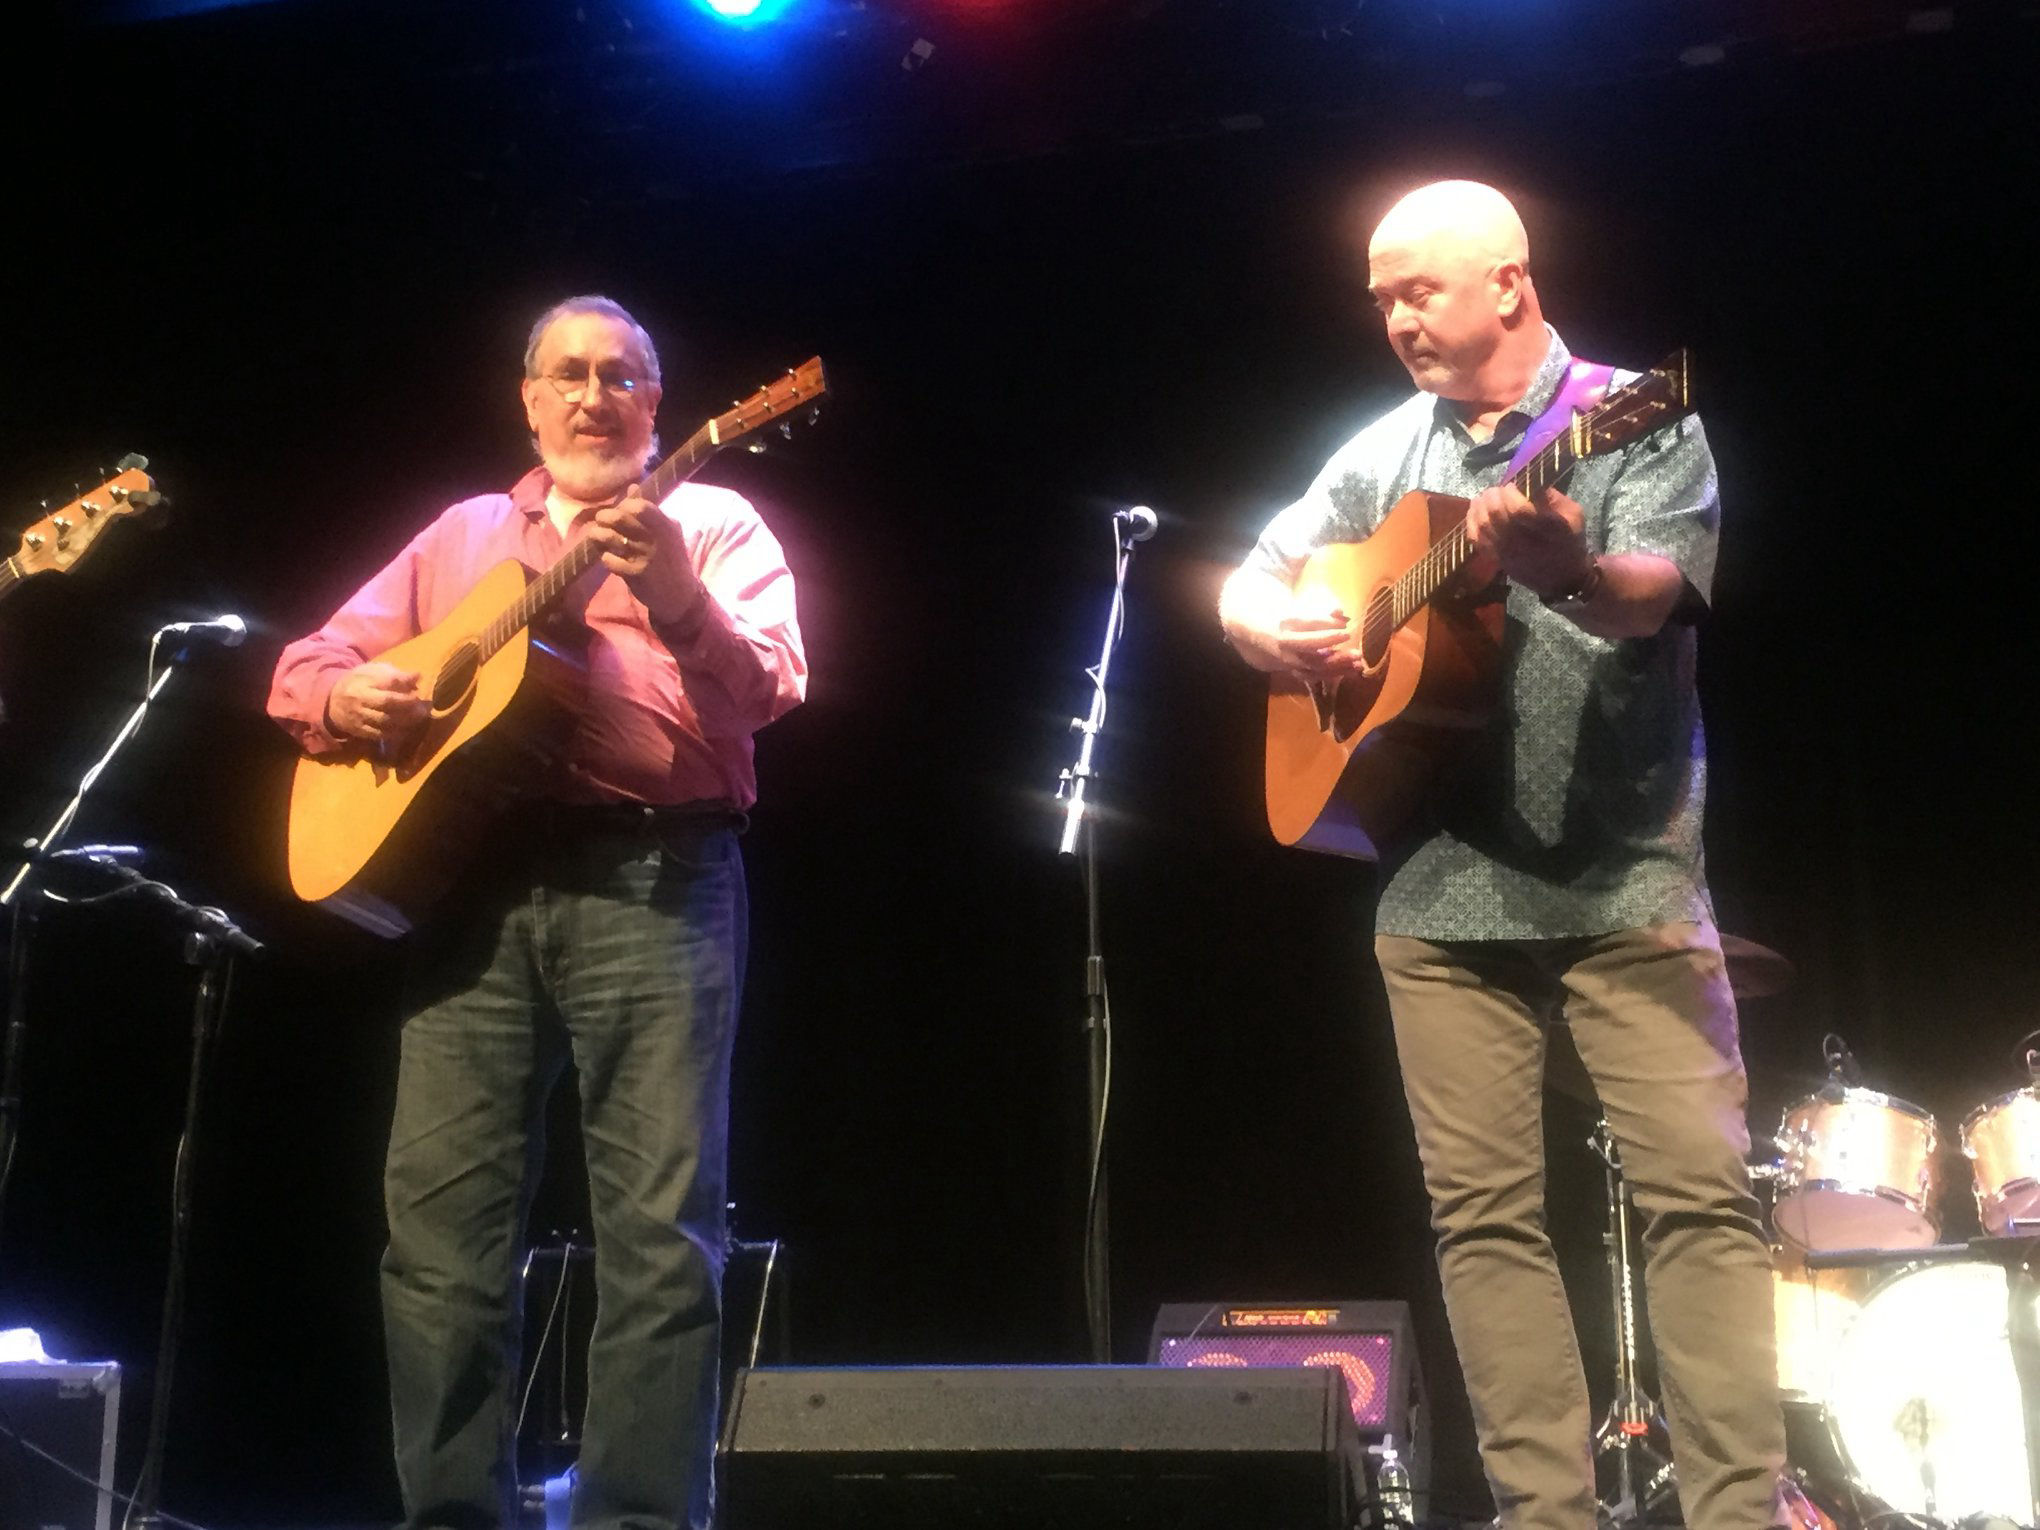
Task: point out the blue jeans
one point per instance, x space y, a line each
619 945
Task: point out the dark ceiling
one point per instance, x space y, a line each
848 84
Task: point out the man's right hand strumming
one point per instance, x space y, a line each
1281 631
377 702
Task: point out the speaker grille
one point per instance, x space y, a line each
1363 1357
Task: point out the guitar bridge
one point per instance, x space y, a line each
1324 700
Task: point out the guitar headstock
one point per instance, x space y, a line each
66 534
803 387
1661 395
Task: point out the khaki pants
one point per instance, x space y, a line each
1652 1017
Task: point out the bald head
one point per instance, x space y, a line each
1449 268
1476 220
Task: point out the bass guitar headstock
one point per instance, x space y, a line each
57 541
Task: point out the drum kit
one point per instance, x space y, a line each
1900 1357
1909 1368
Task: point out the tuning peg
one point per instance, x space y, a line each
786 430
814 413
133 462
755 448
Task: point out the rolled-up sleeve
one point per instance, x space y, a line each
740 656
381 614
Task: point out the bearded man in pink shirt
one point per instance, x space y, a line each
604 923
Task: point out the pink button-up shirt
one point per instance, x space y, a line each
670 712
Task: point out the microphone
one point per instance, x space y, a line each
1137 523
99 853
227 631
1841 1063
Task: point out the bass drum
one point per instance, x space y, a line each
1813 1309
1925 1401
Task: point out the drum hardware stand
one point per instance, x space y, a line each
1634 1431
1079 838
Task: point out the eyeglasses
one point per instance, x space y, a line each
572 381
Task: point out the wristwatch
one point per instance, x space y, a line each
1570 602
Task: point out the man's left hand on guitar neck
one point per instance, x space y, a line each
639 541
1543 547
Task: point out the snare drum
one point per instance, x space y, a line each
1813 1309
1925 1397
2002 1142
1858 1172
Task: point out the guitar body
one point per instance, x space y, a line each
1350 762
377 840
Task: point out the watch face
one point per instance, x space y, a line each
1580 594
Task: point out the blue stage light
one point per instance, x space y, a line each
744 13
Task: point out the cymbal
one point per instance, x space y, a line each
1754 971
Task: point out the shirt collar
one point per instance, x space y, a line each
1543 389
528 494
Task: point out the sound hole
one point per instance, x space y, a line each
1377 626
456 678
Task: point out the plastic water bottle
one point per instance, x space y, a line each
1392 1487
559 1500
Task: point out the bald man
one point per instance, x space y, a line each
1555 878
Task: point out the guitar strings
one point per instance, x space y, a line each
1394 604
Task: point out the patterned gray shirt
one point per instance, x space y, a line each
1579 810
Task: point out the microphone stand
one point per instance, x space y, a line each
31 853
1079 839
212 941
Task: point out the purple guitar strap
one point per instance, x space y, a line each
1586 382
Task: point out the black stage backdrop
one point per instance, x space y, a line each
291 255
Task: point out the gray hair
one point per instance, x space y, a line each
588 303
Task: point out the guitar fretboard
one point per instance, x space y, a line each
10 575
540 594
1449 553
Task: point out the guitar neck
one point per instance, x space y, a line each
10 576
542 592
1449 554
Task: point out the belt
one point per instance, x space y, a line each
639 817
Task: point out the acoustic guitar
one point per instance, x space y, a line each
55 543
377 838
1350 760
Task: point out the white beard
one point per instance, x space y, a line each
593 477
